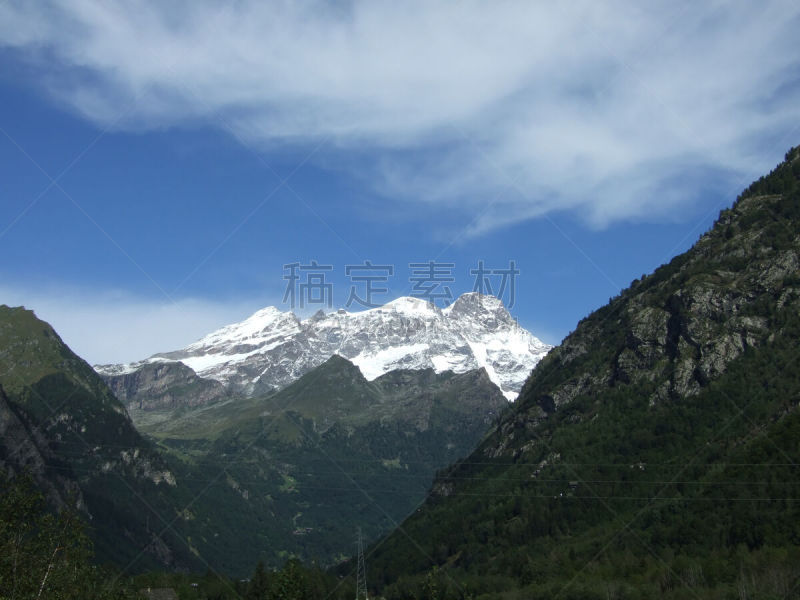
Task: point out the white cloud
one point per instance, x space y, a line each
598 108
112 327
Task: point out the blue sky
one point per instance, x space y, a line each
198 150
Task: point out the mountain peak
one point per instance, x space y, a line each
410 304
317 316
339 366
474 303
479 299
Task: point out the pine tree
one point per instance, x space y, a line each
259 584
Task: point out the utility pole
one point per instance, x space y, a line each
361 571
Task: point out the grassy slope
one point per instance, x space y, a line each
327 454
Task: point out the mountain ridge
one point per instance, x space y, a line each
63 425
333 430
271 348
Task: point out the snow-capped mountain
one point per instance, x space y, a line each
272 348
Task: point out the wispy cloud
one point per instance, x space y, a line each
107 326
611 110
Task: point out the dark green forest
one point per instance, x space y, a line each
694 499
50 555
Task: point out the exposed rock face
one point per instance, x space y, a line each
271 349
60 422
413 396
676 330
24 448
164 385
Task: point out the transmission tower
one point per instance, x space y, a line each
361 571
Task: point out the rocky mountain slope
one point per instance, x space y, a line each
165 385
271 348
61 423
654 452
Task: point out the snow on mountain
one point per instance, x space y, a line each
272 348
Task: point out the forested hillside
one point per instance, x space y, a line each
654 453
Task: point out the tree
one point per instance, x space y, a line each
259 584
43 554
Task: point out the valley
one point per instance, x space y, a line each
652 453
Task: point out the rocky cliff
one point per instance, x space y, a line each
62 424
678 329
164 385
